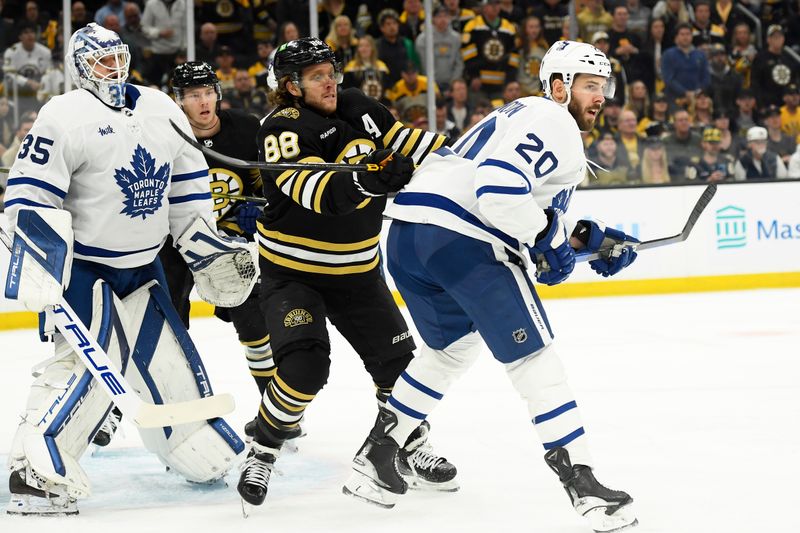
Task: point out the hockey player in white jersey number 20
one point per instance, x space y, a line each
97 186
497 200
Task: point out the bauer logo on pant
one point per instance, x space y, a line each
520 335
297 317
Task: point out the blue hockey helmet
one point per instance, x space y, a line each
93 45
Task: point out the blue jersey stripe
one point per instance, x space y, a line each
555 412
505 165
403 408
420 387
25 201
564 440
190 197
445 204
104 252
49 187
189 176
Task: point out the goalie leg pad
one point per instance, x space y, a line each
225 271
66 407
426 379
541 381
41 257
166 368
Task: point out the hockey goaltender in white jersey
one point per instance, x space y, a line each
98 184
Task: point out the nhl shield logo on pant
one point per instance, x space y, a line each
297 317
520 335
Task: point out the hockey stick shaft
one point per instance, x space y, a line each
241 163
698 209
95 359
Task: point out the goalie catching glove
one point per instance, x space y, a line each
616 248
552 254
395 172
224 270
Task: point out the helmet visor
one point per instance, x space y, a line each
595 87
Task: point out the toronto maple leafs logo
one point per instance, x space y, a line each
143 186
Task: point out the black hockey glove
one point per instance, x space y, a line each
396 170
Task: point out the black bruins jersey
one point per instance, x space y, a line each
236 138
318 223
488 53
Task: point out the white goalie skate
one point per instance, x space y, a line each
31 495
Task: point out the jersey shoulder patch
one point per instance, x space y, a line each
288 112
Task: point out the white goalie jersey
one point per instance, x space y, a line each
125 176
495 182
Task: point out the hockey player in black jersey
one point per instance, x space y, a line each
231 132
319 246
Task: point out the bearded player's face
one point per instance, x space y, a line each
587 100
319 88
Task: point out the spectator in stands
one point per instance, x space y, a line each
511 11
703 113
459 16
655 169
296 12
682 144
658 113
25 124
625 45
704 31
530 52
743 52
638 18
207 49
246 96
6 125
592 19
459 110
724 13
628 138
684 69
638 99
163 21
8 34
616 169
654 48
773 69
609 117
790 112
778 141
226 72
488 52
260 69
725 82
53 78
133 34
410 92
80 17
393 49
673 13
25 63
287 31
233 20
511 92
729 143
746 115
601 41
45 28
712 165
342 39
552 13
366 71
447 62
758 162
445 126
111 7
411 19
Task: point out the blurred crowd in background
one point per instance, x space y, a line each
706 90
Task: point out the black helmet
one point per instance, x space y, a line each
292 57
194 74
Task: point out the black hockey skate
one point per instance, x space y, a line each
255 475
376 478
33 499
108 429
606 509
250 431
423 469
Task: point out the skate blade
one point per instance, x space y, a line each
247 508
415 483
365 489
26 505
622 519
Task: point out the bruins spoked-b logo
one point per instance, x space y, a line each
297 317
520 335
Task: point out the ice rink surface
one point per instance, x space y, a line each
691 402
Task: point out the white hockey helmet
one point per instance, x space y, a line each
570 58
87 47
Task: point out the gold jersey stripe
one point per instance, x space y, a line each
259 342
323 182
298 395
320 245
317 269
389 137
263 373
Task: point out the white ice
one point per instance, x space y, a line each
691 402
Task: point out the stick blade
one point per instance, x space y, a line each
171 414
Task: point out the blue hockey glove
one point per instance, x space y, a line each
246 217
554 257
615 247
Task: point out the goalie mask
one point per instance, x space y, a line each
194 74
98 61
570 58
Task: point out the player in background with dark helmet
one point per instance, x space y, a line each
319 247
231 132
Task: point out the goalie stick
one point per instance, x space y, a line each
698 209
241 163
142 413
